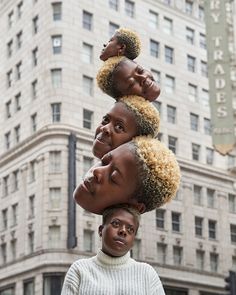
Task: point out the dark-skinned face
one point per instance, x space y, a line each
117 127
132 79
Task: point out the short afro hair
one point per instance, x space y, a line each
127 207
105 76
131 40
159 172
146 115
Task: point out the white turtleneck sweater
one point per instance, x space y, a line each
106 275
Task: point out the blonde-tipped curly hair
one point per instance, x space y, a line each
159 172
146 115
105 76
131 40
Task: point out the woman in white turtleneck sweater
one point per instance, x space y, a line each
112 271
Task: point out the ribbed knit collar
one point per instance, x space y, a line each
103 258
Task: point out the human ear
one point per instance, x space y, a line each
121 50
141 207
100 230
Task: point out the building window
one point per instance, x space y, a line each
32 177
17 133
190 35
156 75
13 249
177 255
17 101
5 185
205 98
161 253
194 121
56 44
114 4
192 92
87 55
175 221
201 13
54 236
195 151
4 256
55 197
197 194
19 10
88 85
87 119
233 233
9 78
31 242
10 19
171 114
204 71
87 20
29 287
129 8
87 164
56 11
31 206
15 181
198 226
202 41
136 249
35 57
167 2
55 162
8 109
34 122
88 241
18 70
200 255
207 126
19 40
167 25
189 7
234 263
4 219
214 257
191 63
52 283
35 22
231 162
153 19
112 28
209 156
169 55
34 88
154 48
210 198
56 77
7 140
212 229
9 48
232 203
160 218
172 143
14 214
169 84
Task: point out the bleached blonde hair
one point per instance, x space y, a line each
146 115
158 170
131 40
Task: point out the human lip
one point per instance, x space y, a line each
120 241
88 185
103 140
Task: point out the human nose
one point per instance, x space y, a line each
106 129
141 77
122 230
99 173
